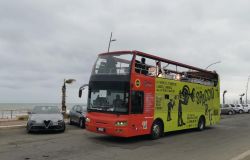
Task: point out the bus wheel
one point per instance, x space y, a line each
201 124
156 130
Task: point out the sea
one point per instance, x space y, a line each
13 110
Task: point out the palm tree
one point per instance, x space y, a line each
66 81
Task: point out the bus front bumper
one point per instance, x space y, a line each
109 130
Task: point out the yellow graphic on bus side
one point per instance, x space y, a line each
180 104
137 83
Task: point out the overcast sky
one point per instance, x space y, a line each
43 42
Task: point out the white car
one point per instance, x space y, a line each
45 118
242 108
246 108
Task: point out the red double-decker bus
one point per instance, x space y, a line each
132 93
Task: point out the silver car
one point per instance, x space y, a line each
227 109
45 118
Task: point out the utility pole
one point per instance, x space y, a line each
247 88
110 40
241 95
213 64
224 96
68 81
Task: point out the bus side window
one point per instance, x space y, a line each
137 102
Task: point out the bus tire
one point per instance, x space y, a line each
156 130
201 123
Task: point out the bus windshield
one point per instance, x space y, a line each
115 64
108 100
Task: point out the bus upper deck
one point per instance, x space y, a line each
124 63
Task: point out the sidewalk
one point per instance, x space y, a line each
8 123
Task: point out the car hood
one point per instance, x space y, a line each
42 117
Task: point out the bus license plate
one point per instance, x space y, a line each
101 129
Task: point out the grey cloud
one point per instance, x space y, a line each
44 42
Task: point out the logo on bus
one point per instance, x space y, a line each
137 83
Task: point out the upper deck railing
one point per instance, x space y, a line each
150 65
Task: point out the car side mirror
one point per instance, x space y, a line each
79 112
82 88
29 112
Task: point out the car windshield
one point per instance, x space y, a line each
115 64
109 100
45 110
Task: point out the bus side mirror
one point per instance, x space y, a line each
82 88
80 93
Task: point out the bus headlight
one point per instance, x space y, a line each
121 123
87 119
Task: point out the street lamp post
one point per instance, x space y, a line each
224 96
110 40
213 64
241 95
66 81
247 87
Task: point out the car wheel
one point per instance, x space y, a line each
240 111
28 129
230 112
201 124
81 123
156 130
70 121
63 127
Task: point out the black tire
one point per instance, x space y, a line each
156 130
201 124
81 123
64 127
248 111
27 129
70 121
230 112
240 111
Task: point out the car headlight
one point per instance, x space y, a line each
121 123
32 121
87 119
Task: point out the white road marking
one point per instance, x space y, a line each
242 155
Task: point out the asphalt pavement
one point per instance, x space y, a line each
230 140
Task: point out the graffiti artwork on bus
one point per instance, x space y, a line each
198 97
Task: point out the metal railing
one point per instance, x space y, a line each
12 113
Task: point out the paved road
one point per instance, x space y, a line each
228 141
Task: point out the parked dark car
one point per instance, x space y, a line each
45 118
77 115
227 109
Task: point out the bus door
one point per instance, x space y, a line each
142 105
